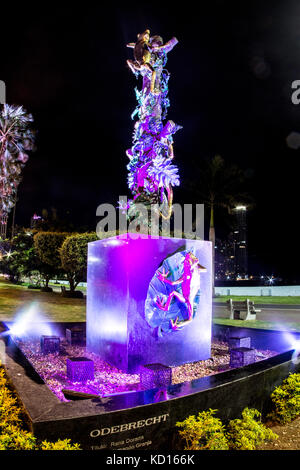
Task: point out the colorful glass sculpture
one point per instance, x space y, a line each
152 173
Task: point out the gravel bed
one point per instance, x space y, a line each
108 379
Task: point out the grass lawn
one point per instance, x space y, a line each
260 299
52 305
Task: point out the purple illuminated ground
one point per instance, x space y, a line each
108 379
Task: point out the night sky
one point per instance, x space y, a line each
230 89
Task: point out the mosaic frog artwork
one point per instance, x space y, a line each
174 293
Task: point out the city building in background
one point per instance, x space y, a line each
240 242
231 255
225 259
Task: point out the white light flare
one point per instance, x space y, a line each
294 344
30 322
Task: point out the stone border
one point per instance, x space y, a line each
146 419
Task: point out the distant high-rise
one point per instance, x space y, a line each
240 242
224 259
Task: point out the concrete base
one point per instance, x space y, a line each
120 325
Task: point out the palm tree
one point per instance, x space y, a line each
16 139
219 185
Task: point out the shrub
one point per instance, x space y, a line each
9 411
59 445
47 245
286 400
73 254
205 432
12 436
248 433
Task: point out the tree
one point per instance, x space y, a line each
47 246
219 185
16 139
17 256
73 254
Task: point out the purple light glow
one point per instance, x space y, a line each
117 289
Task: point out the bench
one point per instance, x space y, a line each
235 308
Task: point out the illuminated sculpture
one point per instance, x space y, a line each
143 296
152 173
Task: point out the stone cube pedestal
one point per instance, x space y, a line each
75 335
243 342
155 376
50 344
121 278
80 369
240 357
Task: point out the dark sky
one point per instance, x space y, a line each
230 89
